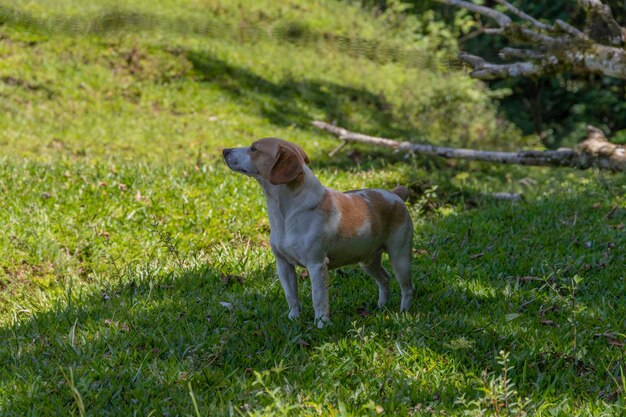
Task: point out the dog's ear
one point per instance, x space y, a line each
288 165
305 157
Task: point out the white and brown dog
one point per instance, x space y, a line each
319 228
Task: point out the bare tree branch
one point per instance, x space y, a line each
514 53
595 151
526 34
570 30
494 31
602 17
519 13
551 48
500 18
598 59
484 70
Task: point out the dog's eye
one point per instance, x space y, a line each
252 148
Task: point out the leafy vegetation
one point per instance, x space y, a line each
555 109
135 273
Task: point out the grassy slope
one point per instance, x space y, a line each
123 231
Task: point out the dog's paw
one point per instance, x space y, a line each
406 303
322 321
294 313
405 307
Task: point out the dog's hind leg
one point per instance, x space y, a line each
380 274
400 256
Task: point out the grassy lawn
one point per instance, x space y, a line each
135 270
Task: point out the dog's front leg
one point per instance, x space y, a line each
319 289
289 282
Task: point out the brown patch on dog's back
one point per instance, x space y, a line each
358 208
354 213
379 207
326 203
390 214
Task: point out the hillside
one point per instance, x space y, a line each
124 232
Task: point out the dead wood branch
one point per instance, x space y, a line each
554 47
601 22
507 196
595 151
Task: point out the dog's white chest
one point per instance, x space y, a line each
289 249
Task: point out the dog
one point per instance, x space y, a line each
319 228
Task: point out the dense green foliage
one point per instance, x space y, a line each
135 273
556 109
559 108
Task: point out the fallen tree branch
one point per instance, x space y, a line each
507 196
595 151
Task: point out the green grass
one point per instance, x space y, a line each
124 234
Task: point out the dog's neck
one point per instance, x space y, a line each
300 194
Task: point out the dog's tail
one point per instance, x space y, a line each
402 192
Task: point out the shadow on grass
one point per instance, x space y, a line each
290 101
139 344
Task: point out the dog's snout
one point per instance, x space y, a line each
226 152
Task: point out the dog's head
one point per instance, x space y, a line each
271 159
